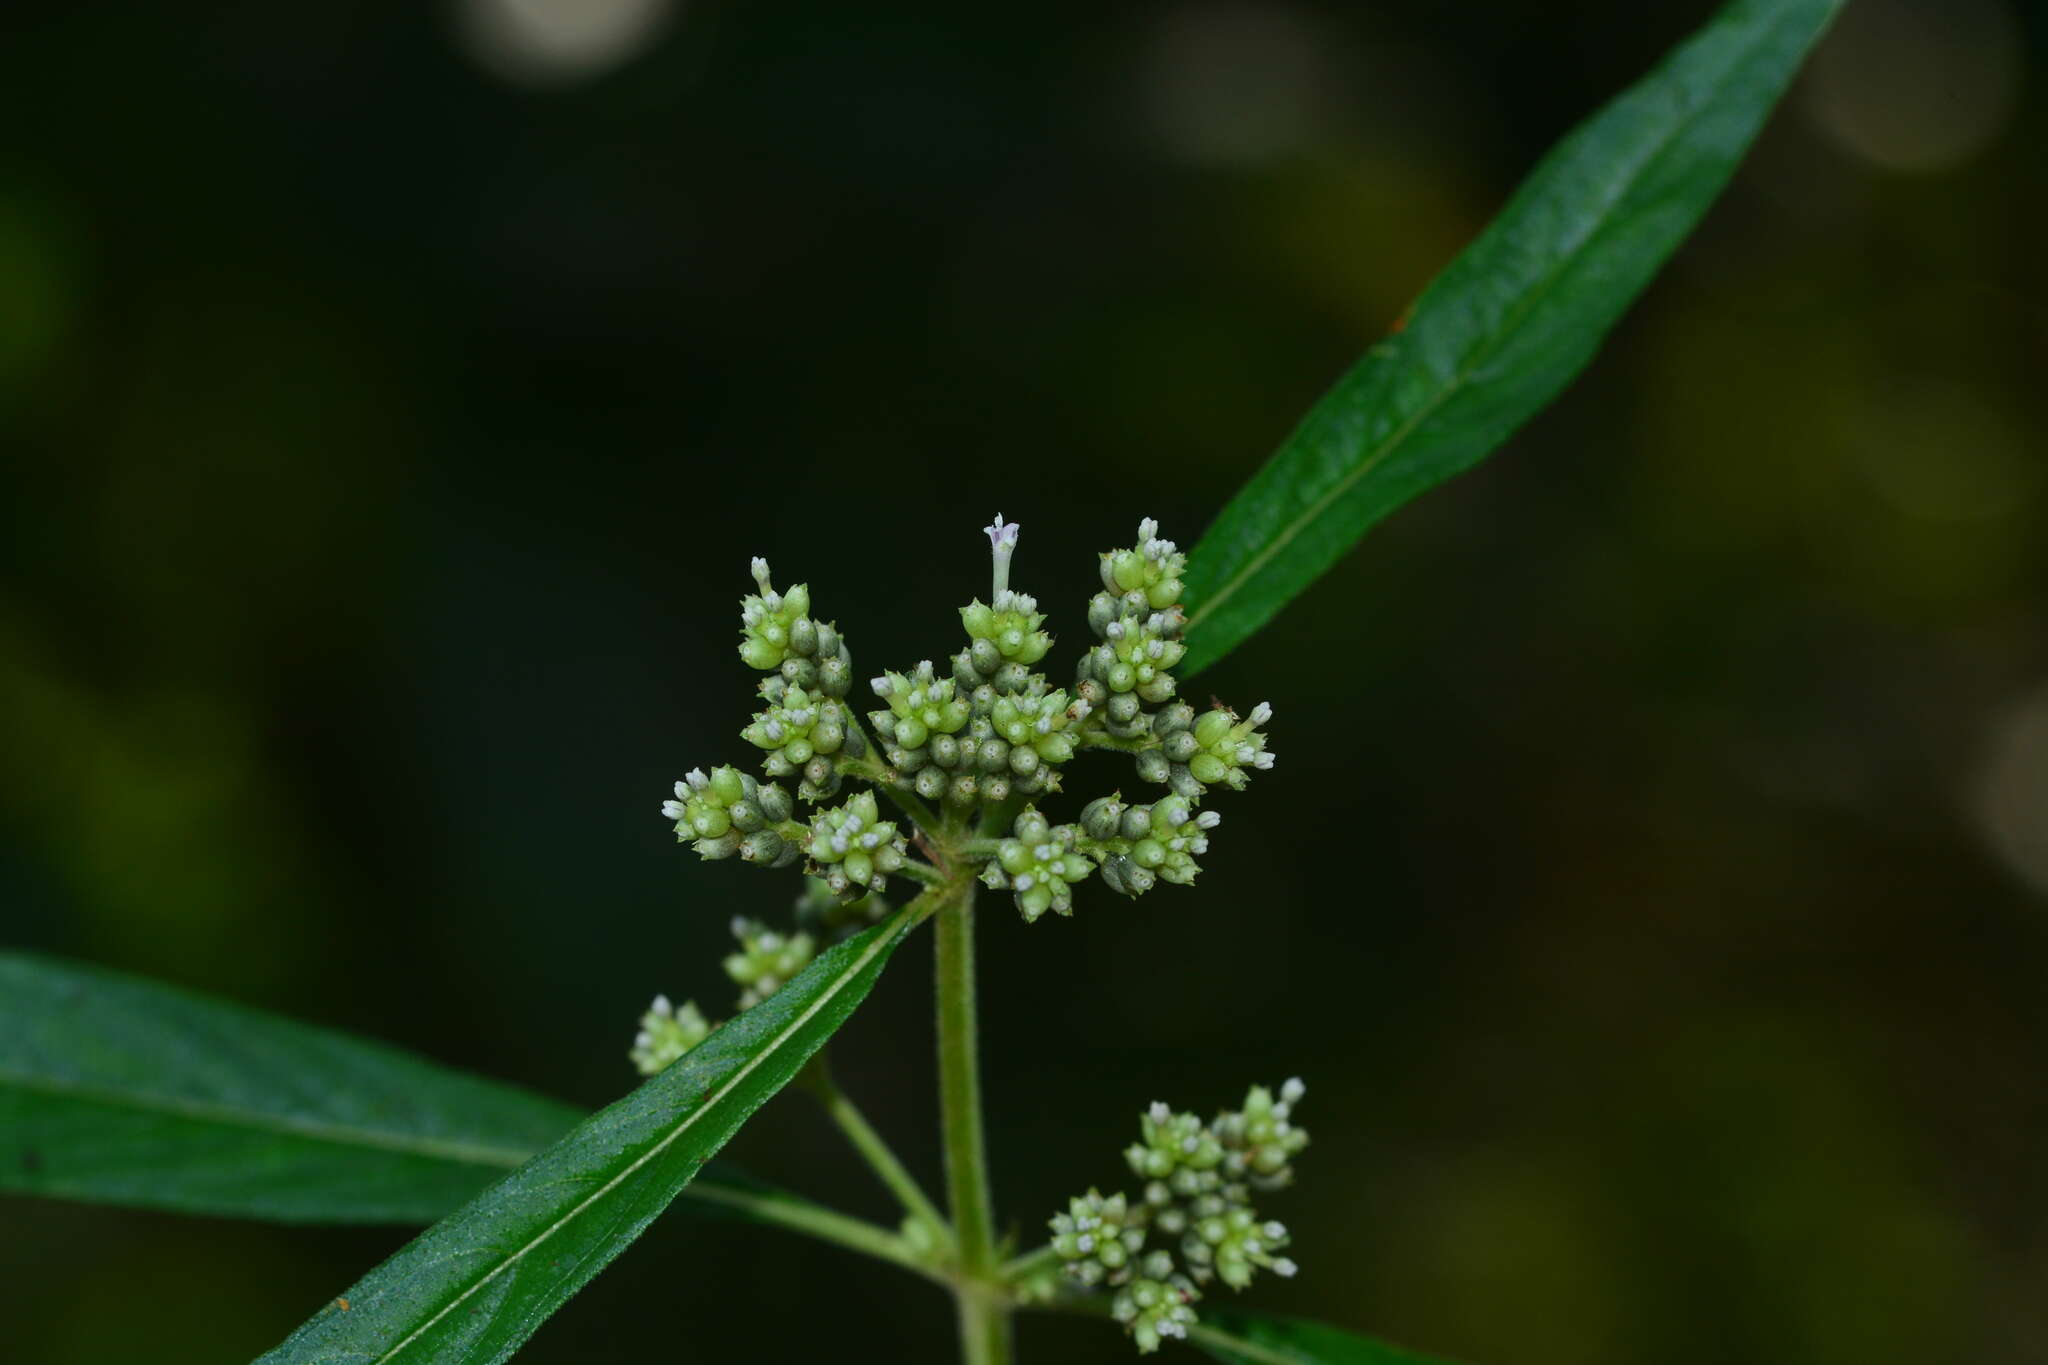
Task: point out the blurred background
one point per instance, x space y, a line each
1654 886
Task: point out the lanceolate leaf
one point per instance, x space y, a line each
123 1091
475 1285
1256 1339
1507 325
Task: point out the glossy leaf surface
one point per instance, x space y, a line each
477 1284
1506 326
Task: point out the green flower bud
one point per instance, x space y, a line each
766 960
920 705
1125 877
1101 818
796 729
1227 750
1098 1239
1230 1240
1039 863
666 1033
1005 630
1136 656
1261 1139
1156 1306
1038 721
720 811
724 846
1153 567
767 621
775 803
1123 710
1171 1143
1102 609
851 845
803 636
1166 837
1010 629
769 848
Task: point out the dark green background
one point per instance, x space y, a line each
1651 888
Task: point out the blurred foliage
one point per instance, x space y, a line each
384 396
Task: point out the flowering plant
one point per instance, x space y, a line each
115 1089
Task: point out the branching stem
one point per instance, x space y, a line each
817 1078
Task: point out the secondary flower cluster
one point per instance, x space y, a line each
764 963
1196 1205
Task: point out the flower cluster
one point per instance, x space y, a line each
1196 1210
729 812
666 1033
854 846
1038 863
985 744
969 754
766 959
777 635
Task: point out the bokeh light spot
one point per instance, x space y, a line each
2012 791
557 42
1917 85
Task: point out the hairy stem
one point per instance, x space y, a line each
984 1309
1102 739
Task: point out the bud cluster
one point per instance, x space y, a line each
1039 864
666 1033
853 845
801 733
1140 846
1196 1210
777 635
985 741
766 959
729 812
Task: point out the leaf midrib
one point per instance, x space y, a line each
704 1107
1517 316
256 1120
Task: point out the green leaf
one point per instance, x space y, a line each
1507 325
1257 1339
477 1284
124 1091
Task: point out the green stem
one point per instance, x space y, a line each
1102 739
815 1220
1020 1268
922 872
870 768
984 1308
844 1112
